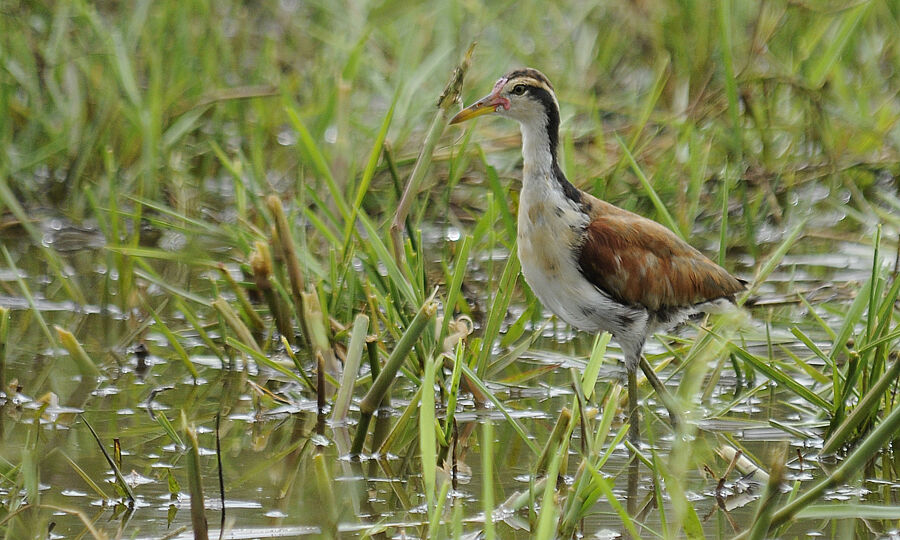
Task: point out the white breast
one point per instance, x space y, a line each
549 231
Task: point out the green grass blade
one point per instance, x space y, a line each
824 63
401 350
85 363
863 453
487 475
195 483
774 260
387 374
500 194
603 485
866 407
517 427
173 341
369 171
811 345
167 426
318 160
185 123
397 277
725 33
264 360
592 370
495 318
549 515
771 493
853 511
453 396
456 281
781 378
427 446
351 368
120 480
87 479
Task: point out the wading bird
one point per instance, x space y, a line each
596 266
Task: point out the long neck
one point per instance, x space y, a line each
540 139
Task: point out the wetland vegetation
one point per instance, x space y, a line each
204 304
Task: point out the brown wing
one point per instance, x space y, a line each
639 262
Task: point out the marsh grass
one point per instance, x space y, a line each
274 206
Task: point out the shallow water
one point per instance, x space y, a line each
270 438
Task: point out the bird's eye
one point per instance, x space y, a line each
518 89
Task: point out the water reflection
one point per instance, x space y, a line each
278 448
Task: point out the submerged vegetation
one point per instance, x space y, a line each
246 267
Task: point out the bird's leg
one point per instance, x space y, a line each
634 434
661 391
634 471
634 429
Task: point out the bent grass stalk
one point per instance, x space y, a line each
261 359
87 479
556 440
373 397
479 385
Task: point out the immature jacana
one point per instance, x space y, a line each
596 266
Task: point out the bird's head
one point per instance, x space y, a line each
525 95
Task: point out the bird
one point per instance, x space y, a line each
596 266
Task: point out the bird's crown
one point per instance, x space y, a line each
525 76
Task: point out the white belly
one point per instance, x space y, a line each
572 298
549 232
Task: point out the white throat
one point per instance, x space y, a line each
537 173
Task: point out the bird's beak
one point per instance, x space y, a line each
486 105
